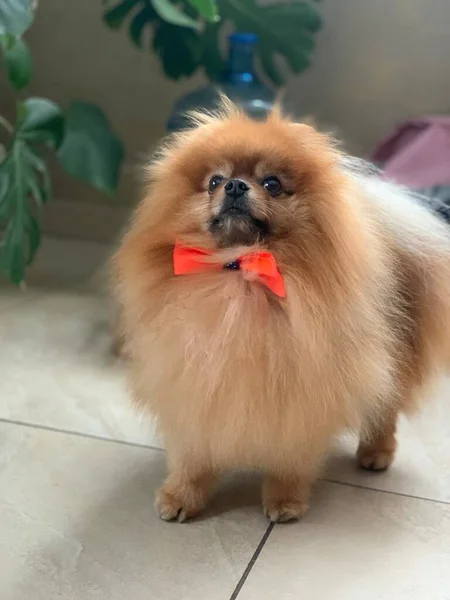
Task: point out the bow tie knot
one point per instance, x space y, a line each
262 265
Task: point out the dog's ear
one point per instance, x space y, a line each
315 143
310 126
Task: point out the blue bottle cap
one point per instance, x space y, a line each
243 38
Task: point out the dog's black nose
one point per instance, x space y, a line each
235 188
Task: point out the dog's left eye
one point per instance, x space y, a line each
214 182
273 185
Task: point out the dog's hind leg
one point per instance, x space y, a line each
376 451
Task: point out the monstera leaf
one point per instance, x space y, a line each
25 184
170 13
82 137
40 121
17 59
184 14
86 147
15 16
90 150
179 49
24 187
212 61
206 9
139 22
186 34
284 29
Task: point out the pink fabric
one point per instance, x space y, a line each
417 153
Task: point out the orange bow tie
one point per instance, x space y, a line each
188 260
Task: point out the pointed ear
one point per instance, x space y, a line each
310 136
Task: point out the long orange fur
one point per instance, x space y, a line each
241 379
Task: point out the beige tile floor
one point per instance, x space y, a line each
78 470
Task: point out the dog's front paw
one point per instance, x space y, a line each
168 507
284 511
179 501
285 499
171 508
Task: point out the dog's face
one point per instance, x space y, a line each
240 206
232 182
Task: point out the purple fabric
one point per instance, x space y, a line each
417 153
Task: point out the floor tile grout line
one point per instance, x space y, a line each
148 447
392 492
78 434
252 562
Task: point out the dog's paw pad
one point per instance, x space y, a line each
283 512
375 461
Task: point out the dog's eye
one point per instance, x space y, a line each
214 182
273 185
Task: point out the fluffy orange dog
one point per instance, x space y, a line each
307 297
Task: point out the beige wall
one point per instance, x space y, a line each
377 61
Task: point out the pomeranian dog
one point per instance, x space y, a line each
275 292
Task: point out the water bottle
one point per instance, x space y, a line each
239 82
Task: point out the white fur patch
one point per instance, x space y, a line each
403 213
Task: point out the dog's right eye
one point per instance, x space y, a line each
214 182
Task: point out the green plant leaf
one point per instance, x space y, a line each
39 164
206 8
268 64
90 150
18 61
40 120
212 59
37 192
170 13
116 16
34 237
283 29
15 16
143 18
179 49
12 256
5 197
19 183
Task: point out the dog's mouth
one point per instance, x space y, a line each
237 226
236 211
